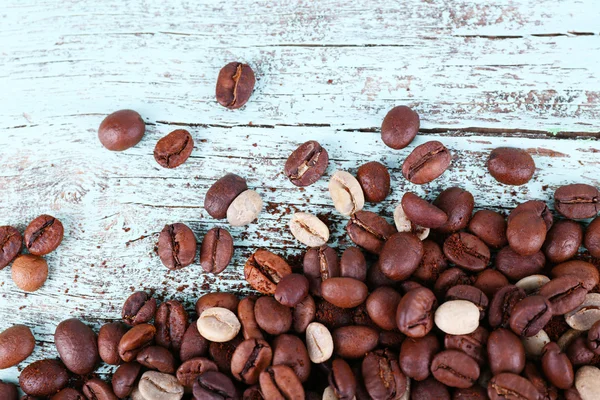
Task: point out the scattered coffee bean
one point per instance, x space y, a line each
344 292
190 370
16 344
221 353
399 127
511 166
244 209
272 317
471 294
319 342
593 338
416 355
250 358
505 352
309 229
43 378
457 317
319 264
217 299
374 179
586 314
306 164
400 256
135 340
280 382
157 358
303 314
77 346
403 224
530 315
535 344
514 385
43 235
121 130
458 204
10 392
222 193
563 241
353 264
426 162
354 341
176 246
473 344
214 385
29 272
291 290
369 231
526 233
171 323
10 245
193 344
97 389
216 250
448 278
455 369
531 284
577 201
586 382
235 84
346 193
429 389
591 240
557 367
290 350
585 271
382 376
382 304
467 251
125 379
421 212
578 352
65 394
565 293
415 312
502 305
537 207
264 270
139 308
174 149
489 281
158 386
516 266
490 227
218 324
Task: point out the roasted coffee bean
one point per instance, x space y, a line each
353 264
109 337
308 229
174 149
157 358
171 323
455 369
416 355
565 293
591 240
369 231
125 379
16 344
401 256
563 241
426 162
469 293
489 281
303 314
290 350
139 308
403 224
533 374
158 386
502 305
320 264
391 339
332 316
213 385
306 164
586 382
346 193
530 315
511 386
557 367
249 359
280 382
537 207
376 278
354 341
573 394
264 270
429 389
577 201
415 312
374 179
342 380
421 212
511 166
245 312
218 324
217 299
516 266
585 271
193 344
531 284
10 245
135 340
473 344
382 304
29 272
432 264
490 227
593 338
77 346
382 376
319 342
458 204
467 251
221 353
472 393
43 378
505 352
291 290
222 193
399 127
8 391
190 370
121 130
216 250
448 278
176 246
272 317
65 394
578 351
97 389
526 233
235 84
344 292
457 317
245 208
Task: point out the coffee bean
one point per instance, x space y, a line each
246 315
533 374
458 204
530 315
403 224
415 312
511 166
10 392
526 233
591 240
10 245
505 352
429 389
490 227
473 344
139 308
382 305
308 229
65 394
534 344
216 250
571 394
158 386
214 385
222 193
320 264
585 271
319 342
416 355
457 317
471 294
593 338
43 378
193 344
421 212
577 201
586 382
342 380
250 358
401 256
557 366
121 130
264 270
585 315
565 293
467 251
448 278
135 340
303 314
190 370
376 278
563 241
291 290
472 393
578 351
218 324
374 179
426 162
157 358
174 149
306 164
502 305
171 323
369 231
109 337
382 376
432 264
217 299
353 264
489 281
221 353
399 127
272 317
176 246
512 385
537 207
29 272
244 209
344 292
280 382
455 369
77 346
97 389
516 266
346 193
125 378
235 84
16 344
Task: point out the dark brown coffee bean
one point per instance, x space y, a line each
579 353
399 127
426 162
109 337
291 290
382 376
217 299
455 369
43 235
245 313
401 256
534 376
65 394
171 323
526 233
448 278
563 241
235 84
213 385
571 394
342 380
577 201
502 305
250 358
467 251
253 393
139 308
290 350
354 341
374 179
222 193
190 370
490 227
511 386
516 266
331 316
489 281
8 391
221 353
353 264
157 358
458 204
193 344
319 264
125 379
264 270
421 212
585 271
280 382
16 344
43 378
174 149
429 389
391 339
272 317
565 293
537 207
176 246
511 166
135 340
557 367
593 338
303 314
472 393
381 307
591 240
505 352
344 292
306 164
469 293
432 264
97 389
473 344
416 355
530 315
77 346
216 250
121 130
415 312
369 231
10 245
376 278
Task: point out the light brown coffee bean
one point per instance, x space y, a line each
309 229
346 193
218 324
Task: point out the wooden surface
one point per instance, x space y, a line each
481 74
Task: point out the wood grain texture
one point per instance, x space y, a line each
517 73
